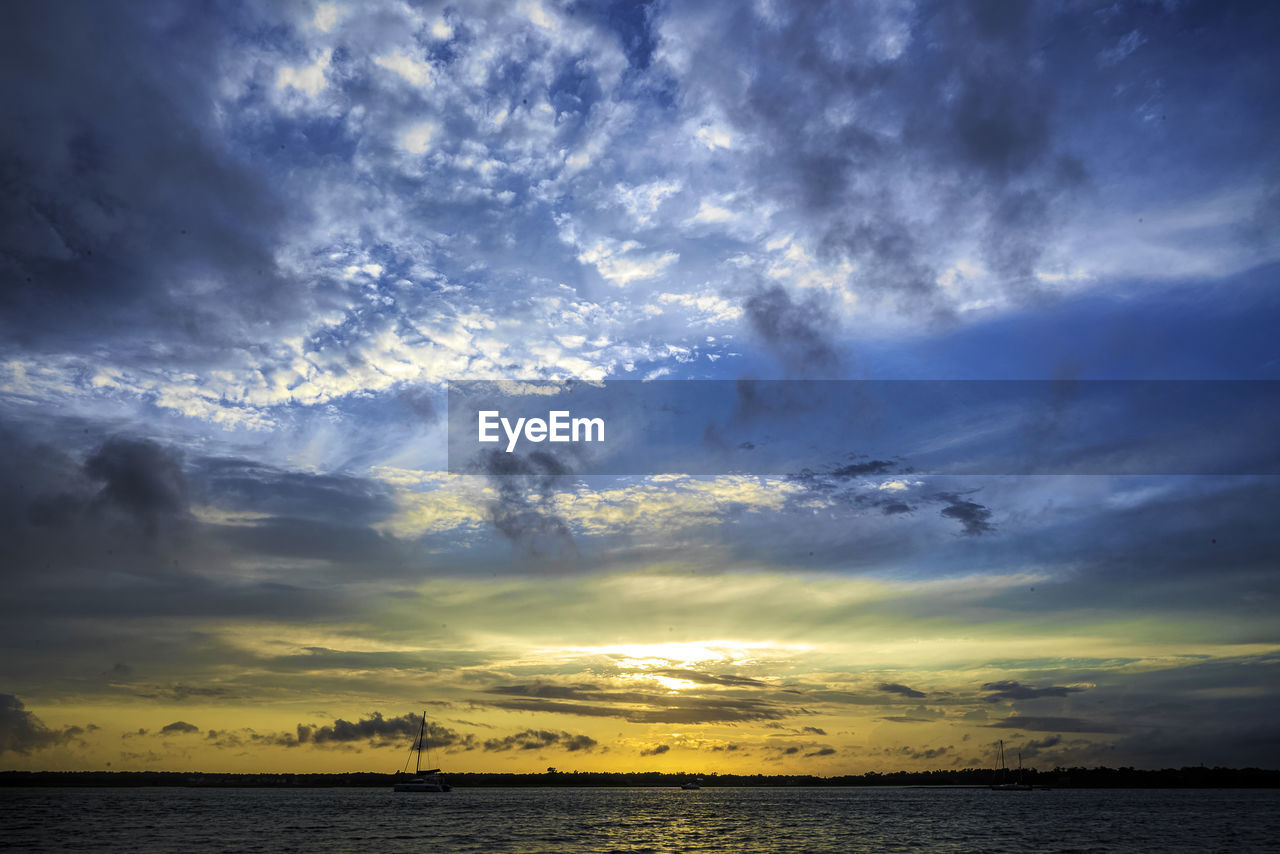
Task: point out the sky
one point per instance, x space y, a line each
247 247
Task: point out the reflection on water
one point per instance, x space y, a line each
639 820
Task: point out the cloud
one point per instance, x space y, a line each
709 679
139 477
179 728
1035 747
1051 724
923 753
638 706
524 510
180 692
908 719
658 750
1007 690
798 334
375 730
118 245
865 468
530 739
895 688
973 517
22 732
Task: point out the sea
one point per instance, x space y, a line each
639 820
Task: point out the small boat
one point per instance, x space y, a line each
692 784
423 781
1006 785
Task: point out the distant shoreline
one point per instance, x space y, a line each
1059 778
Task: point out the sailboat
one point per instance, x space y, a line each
1004 785
423 781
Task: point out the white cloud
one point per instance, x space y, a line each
539 15
714 137
411 69
621 264
715 309
309 79
416 139
642 201
326 16
708 212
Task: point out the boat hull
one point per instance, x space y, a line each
422 786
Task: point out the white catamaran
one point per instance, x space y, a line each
423 781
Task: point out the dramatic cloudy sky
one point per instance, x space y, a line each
245 245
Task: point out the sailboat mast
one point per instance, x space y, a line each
417 766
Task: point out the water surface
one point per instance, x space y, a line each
155 820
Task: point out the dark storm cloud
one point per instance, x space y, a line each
122 192
122 506
22 732
895 688
797 333
531 739
1254 744
1181 715
1035 747
980 131
377 730
139 477
125 486
1188 525
1040 723
523 513
248 486
865 468
77 520
1006 690
841 486
973 517
179 728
